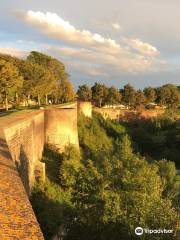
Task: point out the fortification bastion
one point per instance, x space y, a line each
85 108
61 127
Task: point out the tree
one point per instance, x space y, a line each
129 95
150 94
168 95
140 98
67 91
38 81
113 96
111 204
10 80
84 93
99 93
69 167
108 190
56 67
57 70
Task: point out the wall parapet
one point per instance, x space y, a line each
24 135
22 139
17 219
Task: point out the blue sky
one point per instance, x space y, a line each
110 41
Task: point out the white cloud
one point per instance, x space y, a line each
103 63
93 53
55 26
143 48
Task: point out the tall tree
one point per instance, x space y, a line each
168 95
38 81
140 98
58 72
56 67
68 93
84 93
99 93
129 95
10 80
113 96
150 94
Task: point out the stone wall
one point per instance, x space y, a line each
61 127
17 219
24 135
85 108
27 132
22 139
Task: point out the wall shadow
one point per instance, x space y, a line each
52 160
23 169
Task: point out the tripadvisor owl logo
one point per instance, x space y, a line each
139 231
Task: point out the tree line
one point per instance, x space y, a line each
100 94
39 77
44 79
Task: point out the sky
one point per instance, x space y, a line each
109 41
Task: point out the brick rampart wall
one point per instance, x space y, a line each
24 135
17 219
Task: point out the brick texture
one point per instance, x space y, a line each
17 219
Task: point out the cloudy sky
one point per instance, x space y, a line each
110 41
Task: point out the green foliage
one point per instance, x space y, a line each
58 85
158 138
69 167
150 94
129 95
10 80
84 93
113 96
99 94
92 137
167 95
44 78
108 190
51 204
139 98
